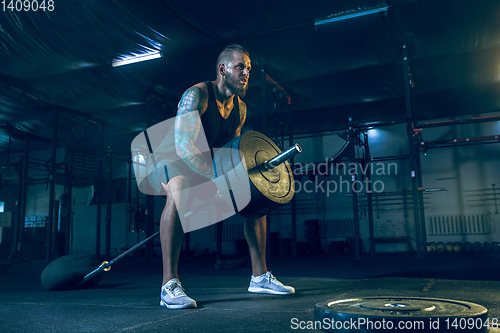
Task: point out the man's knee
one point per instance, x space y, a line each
176 184
257 221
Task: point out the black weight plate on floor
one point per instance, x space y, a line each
66 272
398 314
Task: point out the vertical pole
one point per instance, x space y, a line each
19 221
413 150
418 169
109 199
24 195
369 195
69 213
355 190
421 199
50 222
98 194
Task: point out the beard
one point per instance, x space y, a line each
235 87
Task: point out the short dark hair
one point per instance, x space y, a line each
227 54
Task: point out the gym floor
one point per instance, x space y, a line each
127 299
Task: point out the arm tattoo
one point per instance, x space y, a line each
243 113
243 116
187 128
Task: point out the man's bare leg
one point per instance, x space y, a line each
255 233
171 233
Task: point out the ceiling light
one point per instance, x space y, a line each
130 59
349 16
374 133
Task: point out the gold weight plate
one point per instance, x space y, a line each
276 184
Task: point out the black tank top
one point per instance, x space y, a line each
217 129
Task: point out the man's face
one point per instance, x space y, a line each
237 74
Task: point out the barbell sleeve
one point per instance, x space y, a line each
284 156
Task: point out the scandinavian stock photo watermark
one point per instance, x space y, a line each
345 177
155 159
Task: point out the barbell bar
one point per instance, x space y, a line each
267 165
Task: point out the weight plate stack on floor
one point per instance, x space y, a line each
401 314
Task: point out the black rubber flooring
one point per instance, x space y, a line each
127 299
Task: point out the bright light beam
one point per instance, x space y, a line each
125 60
349 16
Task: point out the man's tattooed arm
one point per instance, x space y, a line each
243 117
187 128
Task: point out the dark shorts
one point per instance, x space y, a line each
179 168
166 170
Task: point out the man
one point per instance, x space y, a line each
222 114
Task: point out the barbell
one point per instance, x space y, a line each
271 186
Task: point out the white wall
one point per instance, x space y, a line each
463 170
459 169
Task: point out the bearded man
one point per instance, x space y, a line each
222 112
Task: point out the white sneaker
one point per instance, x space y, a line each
173 296
268 284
